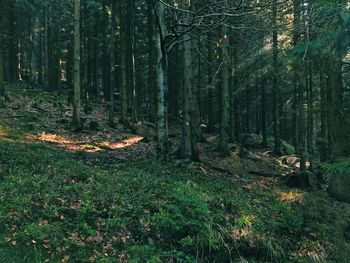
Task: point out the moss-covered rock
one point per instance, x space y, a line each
338 176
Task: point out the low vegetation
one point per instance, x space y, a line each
58 207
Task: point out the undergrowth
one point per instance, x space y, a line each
56 208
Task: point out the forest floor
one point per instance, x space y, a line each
101 196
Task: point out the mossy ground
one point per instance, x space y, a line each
56 206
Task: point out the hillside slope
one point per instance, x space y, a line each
100 196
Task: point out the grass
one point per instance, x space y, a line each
55 207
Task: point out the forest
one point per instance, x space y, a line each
175 131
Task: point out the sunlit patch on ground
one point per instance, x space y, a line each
291 161
313 250
291 197
240 233
3 132
49 137
86 146
124 143
243 227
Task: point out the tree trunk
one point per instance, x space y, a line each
46 49
324 126
162 88
339 122
112 60
263 113
189 149
211 83
301 126
2 62
131 67
275 88
296 36
106 64
225 95
151 63
123 62
310 139
76 105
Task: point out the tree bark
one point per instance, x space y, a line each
263 112
324 126
123 62
225 95
162 88
151 63
189 149
275 88
76 105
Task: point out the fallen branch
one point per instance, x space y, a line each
262 173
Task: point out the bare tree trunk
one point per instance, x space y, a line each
2 62
275 88
189 149
211 84
263 112
123 62
324 125
301 126
162 85
225 94
77 103
112 60
46 50
296 36
151 63
131 60
310 139
105 54
339 122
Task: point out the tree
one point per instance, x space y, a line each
189 149
225 93
151 61
162 85
275 88
77 100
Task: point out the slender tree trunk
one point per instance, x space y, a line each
301 126
2 62
112 60
151 63
85 56
263 112
197 87
275 88
247 105
324 125
257 110
131 60
236 127
339 122
123 62
189 149
46 49
311 146
76 105
211 84
296 36
96 90
162 88
6 32
106 79
225 95
13 59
